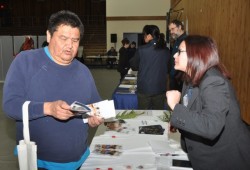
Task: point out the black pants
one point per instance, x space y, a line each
151 102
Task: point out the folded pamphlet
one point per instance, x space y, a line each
104 109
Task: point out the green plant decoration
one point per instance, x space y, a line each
128 115
166 116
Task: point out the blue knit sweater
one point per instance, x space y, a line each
34 77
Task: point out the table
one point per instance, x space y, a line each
123 148
98 60
125 100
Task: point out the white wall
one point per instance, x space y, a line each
119 8
137 7
6 55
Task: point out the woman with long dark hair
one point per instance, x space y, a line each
151 62
208 118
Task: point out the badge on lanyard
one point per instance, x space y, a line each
187 96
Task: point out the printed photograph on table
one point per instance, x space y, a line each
115 125
107 152
108 149
120 126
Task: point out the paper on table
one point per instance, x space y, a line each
137 150
130 78
124 162
163 147
126 86
133 143
131 126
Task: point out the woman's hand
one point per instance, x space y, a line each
94 121
173 98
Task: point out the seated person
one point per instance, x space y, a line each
112 52
111 61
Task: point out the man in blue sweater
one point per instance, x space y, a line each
52 79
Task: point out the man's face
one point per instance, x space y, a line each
126 45
64 43
174 31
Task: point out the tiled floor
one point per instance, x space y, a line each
106 81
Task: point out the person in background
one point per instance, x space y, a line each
111 60
52 79
208 118
163 37
28 44
112 52
132 49
80 55
178 34
151 62
45 44
124 57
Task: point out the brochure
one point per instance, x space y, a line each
80 109
104 109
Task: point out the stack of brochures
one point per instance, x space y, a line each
126 89
128 85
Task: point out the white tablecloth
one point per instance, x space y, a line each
139 151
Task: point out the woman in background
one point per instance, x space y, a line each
27 45
151 61
209 119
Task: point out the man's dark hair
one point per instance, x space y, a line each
125 41
177 23
64 17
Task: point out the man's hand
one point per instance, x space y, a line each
58 109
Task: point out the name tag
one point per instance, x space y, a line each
185 100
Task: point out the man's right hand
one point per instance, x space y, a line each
58 109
